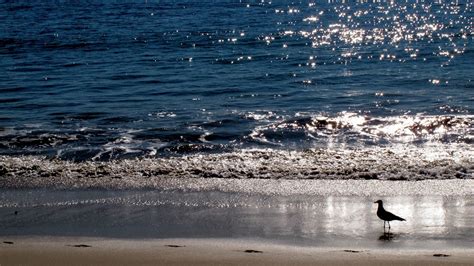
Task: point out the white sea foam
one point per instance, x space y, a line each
397 162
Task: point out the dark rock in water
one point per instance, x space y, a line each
174 246
8 242
440 255
252 251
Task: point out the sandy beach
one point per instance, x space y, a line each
87 251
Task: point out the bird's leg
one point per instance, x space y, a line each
388 225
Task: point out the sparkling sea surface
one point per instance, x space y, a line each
237 89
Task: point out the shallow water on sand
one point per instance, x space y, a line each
332 221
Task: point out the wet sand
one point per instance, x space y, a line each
87 251
216 224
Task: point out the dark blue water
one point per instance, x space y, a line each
105 80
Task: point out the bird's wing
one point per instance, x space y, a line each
391 216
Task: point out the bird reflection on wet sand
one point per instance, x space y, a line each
388 236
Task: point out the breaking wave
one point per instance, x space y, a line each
249 130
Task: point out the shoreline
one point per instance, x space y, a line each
284 187
100 251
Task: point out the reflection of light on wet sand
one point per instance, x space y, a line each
430 215
344 216
347 221
330 214
459 208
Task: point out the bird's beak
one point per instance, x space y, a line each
375 202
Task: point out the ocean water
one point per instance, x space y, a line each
236 89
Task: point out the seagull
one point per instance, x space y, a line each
385 215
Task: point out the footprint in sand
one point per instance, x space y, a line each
79 246
174 246
352 251
252 251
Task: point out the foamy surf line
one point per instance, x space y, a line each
395 163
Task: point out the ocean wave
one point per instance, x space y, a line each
237 131
353 127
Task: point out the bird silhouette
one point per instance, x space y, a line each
385 215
